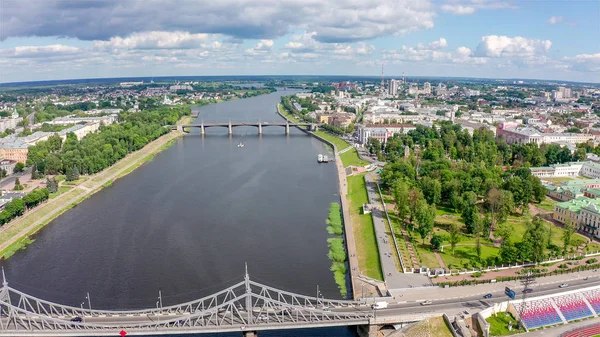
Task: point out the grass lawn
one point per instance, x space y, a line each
432 327
287 114
464 253
339 143
425 255
558 180
364 231
438 327
547 204
499 324
351 158
61 190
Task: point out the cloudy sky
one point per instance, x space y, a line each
66 39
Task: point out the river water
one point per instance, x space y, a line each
186 222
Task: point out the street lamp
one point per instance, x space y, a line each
89 301
82 313
157 311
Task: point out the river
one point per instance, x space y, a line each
187 222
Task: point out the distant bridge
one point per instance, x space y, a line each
260 125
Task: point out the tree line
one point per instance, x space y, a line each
97 151
17 206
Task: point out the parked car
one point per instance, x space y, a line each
487 296
564 285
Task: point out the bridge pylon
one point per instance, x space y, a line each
202 128
230 129
287 128
259 128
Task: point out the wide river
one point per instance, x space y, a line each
186 222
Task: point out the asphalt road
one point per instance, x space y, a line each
8 181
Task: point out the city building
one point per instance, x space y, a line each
8 165
583 213
513 135
382 132
393 88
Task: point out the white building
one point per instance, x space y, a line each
382 132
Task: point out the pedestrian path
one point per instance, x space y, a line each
346 149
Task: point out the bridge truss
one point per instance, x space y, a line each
245 306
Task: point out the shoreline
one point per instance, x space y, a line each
353 270
20 230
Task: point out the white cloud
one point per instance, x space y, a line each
39 51
466 7
584 62
504 46
155 40
432 52
262 47
332 20
559 19
458 9
555 19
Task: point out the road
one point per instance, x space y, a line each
10 180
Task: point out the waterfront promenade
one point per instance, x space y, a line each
393 275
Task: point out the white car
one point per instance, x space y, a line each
428 302
564 285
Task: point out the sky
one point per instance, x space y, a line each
72 39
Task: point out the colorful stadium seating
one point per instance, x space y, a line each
583 332
593 296
538 313
572 306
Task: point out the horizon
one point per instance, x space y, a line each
327 76
550 41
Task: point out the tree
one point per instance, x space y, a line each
75 173
432 190
569 229
500 204
415 196
471 219
436 242
52 185
18 186
478 246
401 198
19 167
454 236
425 215
534 241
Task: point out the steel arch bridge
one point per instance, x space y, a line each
247 307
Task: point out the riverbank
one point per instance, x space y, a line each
17 234
359 231
349 157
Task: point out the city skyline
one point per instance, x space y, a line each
473 38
